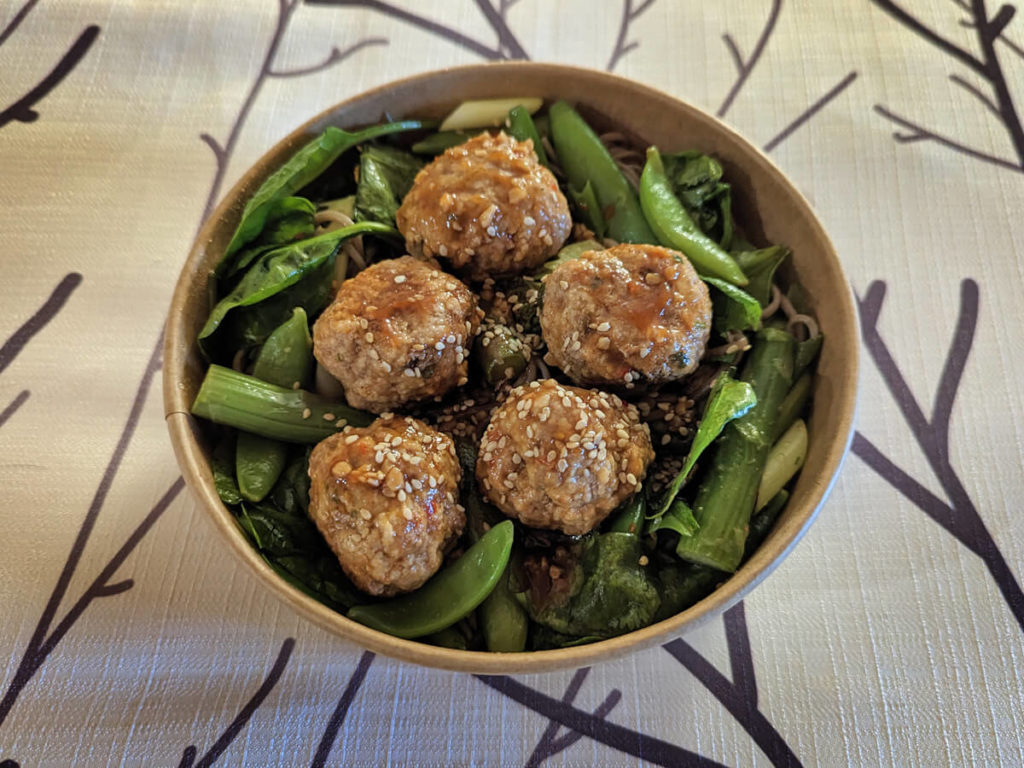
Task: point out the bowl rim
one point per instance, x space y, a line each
182 427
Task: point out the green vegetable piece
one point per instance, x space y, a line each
222 465
681 585
286 360
478 113
793 404
293 415
520 127
386 175
762 522
784 461
679 518
807 351
729 399
759 266
568 253
585 159
447 597
725 500
304 166
288 220
611 593
545 639
588 209
733 309
630 519
283 267
436 143
674 227
696 179
449 637
502 357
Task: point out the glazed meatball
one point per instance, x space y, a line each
385 497
488 206
562 457
399 331
628 314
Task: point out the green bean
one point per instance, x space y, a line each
293 415
725 500
584 158
499 353
520 127
785 460
793 404
631 517
286 359
674 227
448 596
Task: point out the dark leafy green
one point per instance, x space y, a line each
587 208
733 309
759 266
696 179
610 594
681 585
385 177
678 518
304 166
289 219
436 143
222 464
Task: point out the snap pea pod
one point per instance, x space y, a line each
520 127
584 158
725 500
501 618
293 415
448 596
449 637
499 354
674 227
304 166
793 404
436 143
631 518
286 359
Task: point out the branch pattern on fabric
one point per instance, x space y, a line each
958 516
623 45
985 64
23 110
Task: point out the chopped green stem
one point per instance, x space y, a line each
793 404
631 518
725 500
784 460
293 415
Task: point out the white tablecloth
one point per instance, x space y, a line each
894 633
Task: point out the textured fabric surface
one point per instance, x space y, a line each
893 634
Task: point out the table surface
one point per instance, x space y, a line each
893 634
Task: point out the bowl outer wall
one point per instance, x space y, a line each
766 203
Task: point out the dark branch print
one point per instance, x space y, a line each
986 65
1001 38
959 516
188 757
16 20
334 57
13 406
811 111
739 695
745 66
623 45
507 47
54 304
23 109
649 748
551 743
330 735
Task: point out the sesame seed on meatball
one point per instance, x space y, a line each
399 331
627 314
488 206
385 497
562 457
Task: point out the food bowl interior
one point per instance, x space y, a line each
767 207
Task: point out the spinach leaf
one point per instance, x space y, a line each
278 269
733 309
304 166
588 209
679 518
681 585
759 266
729 399
385 176
697 181
611 592
222 465
289 219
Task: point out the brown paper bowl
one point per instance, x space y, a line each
766 205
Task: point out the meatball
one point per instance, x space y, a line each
562 457
385 497
399 331
628 314
487 205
